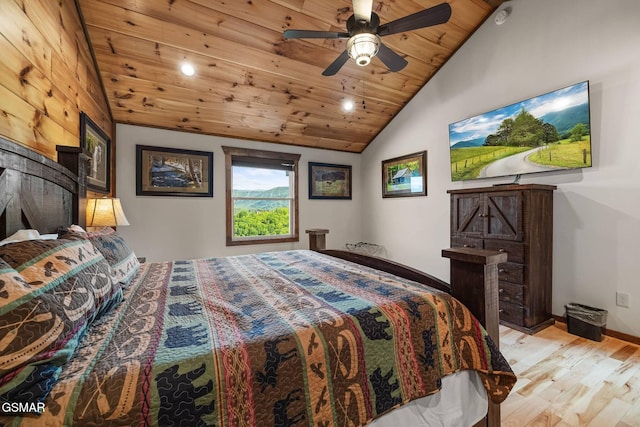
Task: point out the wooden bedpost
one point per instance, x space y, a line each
76 159
317 241
474 282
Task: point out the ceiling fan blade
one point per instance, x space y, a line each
362 10
311 34
392 60
433 16
337 64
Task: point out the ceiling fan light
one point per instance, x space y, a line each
362 47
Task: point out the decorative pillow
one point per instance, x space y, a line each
50 292
120 257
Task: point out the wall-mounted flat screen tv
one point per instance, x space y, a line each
546 133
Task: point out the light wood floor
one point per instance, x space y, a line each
565 380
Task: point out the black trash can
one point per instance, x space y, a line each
585 321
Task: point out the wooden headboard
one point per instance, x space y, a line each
35 191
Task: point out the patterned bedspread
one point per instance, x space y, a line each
290 338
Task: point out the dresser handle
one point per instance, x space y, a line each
501 311
501 250
468 246
502 270
501 290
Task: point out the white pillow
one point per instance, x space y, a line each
76 228
21 235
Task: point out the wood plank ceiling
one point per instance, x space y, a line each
252 84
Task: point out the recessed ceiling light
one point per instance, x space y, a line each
348 105
187 69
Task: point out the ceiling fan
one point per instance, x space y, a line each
364 32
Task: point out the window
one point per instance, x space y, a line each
262 196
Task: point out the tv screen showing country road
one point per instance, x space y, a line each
545 133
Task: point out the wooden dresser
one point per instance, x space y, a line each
517 219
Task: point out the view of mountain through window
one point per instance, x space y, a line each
262 201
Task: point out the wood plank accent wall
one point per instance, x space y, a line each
47 77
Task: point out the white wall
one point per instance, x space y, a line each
544 45
166 228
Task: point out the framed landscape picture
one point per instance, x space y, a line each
164 171
405 176
98 144
329 181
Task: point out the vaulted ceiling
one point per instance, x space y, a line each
249 81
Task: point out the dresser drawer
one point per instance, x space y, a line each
511 313
514 249
511 293
511 272
466 242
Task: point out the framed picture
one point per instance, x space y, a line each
173 172
97 143
405 176
327 181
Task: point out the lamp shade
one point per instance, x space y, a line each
105 212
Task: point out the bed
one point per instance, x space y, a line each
89 336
